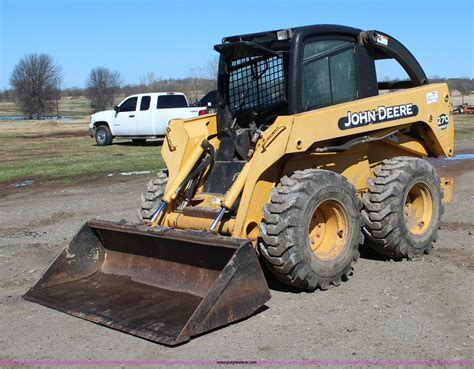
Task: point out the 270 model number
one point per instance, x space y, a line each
443 121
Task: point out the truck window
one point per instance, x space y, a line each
145 103
171 102
328 73
129 105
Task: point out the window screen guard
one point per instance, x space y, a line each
256 83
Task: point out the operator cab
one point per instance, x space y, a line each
290 71
265 75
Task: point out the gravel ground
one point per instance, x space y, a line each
421 309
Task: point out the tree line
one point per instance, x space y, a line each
36 85
463 85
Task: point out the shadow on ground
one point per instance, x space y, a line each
158 142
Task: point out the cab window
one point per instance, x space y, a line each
171 102
145 103
328 75
129 105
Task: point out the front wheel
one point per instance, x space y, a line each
103 136
311 229
151 198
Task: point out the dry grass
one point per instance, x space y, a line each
60 151
464 126
76 107
457 98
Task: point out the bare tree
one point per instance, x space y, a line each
5 95
149 80
464 86
102 85
36 81
213 68
72 92
197 81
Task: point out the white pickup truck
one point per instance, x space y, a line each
141 116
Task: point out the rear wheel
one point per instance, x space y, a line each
151 198
403 207
103 136
311 229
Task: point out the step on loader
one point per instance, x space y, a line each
308 156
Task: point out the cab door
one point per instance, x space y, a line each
333 70
124 121
144 117
328 73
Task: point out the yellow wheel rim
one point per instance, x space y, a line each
328 230
418 209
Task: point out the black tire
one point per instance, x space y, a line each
285 230
151 198
138 141
394 227
103 136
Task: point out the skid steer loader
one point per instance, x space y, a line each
307 156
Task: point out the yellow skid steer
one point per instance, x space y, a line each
307 157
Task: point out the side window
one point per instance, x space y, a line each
171 102
329 76
145 103
316 85
343 77
129 104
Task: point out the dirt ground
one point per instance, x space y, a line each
421 309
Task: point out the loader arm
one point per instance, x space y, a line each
304 133
426 105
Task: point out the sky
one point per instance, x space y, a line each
171 37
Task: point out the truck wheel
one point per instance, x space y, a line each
402 208
103 136
311 229
151 199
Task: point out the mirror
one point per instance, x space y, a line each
116 108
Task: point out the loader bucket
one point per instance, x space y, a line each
165 285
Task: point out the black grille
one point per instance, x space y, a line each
256 83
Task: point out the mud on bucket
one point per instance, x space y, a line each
165 285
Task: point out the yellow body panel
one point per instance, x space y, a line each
320 125
182 136
295 142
